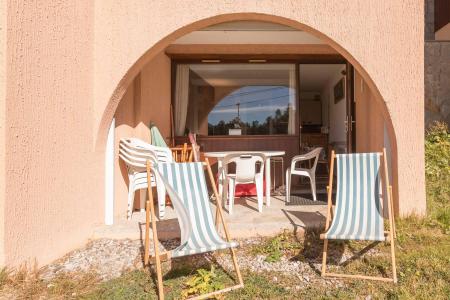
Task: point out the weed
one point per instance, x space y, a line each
202 282
437 172
274 248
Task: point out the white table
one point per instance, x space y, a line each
221 154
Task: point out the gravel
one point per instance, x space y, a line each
111 258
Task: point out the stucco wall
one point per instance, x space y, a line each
69 64
2 125
388 54
370 123
437 82
147 99
53 187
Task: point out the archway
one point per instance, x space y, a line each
134 70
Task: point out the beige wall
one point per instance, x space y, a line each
2 126
147 99
69 63
53 188
369 118
381 52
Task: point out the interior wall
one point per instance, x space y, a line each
336 111
310 110
146 100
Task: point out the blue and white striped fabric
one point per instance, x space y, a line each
358 214
186 186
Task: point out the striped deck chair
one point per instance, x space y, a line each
186 186
359 211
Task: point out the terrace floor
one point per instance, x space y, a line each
299 214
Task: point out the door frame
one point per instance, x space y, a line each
350 121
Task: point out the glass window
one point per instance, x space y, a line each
235 99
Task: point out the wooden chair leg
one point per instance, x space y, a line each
324 257
225 229
236 266
155 234
394 268
391 215
392 210
147 233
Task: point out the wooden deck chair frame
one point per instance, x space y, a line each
390 234
150 217
183 153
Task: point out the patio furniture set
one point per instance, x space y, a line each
358 214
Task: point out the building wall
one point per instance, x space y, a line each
429 19
53 191
2 126
69 63
384 52
437 82
147 99
369 119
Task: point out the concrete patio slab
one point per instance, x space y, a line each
299 214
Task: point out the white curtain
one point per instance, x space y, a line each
181 98
292 101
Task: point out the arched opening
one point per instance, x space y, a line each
137 124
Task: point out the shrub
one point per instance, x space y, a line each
437 172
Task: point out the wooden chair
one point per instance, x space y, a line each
186 186
359 208
182 153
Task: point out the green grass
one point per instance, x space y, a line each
437 172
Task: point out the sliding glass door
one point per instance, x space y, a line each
235 99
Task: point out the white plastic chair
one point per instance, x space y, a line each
135 153
245 173
310 173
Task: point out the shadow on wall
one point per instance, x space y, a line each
147 99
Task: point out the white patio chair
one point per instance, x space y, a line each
135 153
245 173
310 173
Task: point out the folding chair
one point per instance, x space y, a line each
186 185
359 208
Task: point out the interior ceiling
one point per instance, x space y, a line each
314 77
242 74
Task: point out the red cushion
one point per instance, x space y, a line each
249 189
246 190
